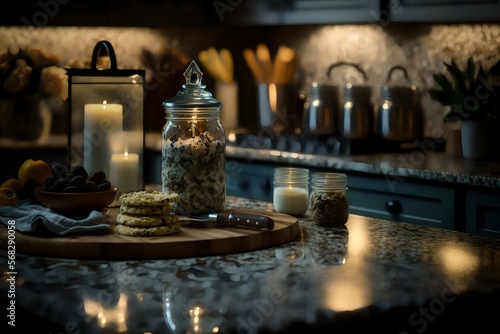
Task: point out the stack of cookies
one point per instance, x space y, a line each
147 214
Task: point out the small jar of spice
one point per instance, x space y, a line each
328 201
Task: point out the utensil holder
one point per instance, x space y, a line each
278 106
227 93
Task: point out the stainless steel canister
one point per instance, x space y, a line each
399 112
357 110
321 110
356 117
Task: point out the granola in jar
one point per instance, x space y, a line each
194 168
329 207
328 202
194 149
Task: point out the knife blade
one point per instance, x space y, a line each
232 219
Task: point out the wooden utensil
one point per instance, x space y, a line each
264 58
290 68
227 61
218 64
283 60
208 65
281 71
254 66
214 58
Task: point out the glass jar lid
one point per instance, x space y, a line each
291 175
333 181
193 94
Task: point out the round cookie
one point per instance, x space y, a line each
141 221
148 198
146 210
148 231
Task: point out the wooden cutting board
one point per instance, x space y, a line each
190 241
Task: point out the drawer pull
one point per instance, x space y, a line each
265 186
243 184
393 207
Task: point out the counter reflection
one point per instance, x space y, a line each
459 263
348 287
109 317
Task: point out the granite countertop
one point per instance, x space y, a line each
429 166
371 274
422 163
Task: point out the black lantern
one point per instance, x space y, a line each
106 120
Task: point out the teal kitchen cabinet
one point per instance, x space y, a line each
443 11
402 200
291 12
249 180
482 212
198 13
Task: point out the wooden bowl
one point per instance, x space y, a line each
76 202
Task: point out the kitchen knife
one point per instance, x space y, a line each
233 219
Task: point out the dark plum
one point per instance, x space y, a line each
79 170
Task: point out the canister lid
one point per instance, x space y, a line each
322 92
193 93
391 92
357 92
400 89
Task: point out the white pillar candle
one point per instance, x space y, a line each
124 172
291 200
101 124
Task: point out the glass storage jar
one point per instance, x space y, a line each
291 190
194 148
328 202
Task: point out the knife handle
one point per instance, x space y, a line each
246 219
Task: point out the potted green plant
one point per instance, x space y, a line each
472 96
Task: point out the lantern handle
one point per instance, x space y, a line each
111 53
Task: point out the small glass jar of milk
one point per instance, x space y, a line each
291 190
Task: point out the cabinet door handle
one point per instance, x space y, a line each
393 207
243 184
265 186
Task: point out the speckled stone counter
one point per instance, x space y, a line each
418 164
369 275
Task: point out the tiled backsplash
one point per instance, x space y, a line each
420 48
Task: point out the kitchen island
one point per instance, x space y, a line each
369 275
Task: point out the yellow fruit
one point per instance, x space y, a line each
8 196
13 184
37 170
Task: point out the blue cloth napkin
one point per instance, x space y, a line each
30 216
